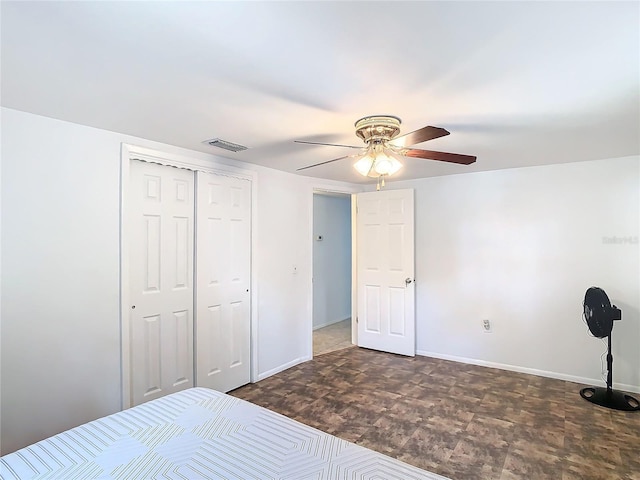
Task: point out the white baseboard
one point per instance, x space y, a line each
530 371
281 368
482 363
322 325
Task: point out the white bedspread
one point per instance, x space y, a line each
200 434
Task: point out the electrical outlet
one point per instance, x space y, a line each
486 325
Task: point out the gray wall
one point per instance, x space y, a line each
331 259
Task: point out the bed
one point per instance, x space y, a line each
200 434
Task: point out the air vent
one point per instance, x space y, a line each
232 147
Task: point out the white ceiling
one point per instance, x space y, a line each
515 83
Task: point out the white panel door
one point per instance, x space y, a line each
223 244
161 222
385 271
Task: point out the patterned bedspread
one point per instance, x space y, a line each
200 434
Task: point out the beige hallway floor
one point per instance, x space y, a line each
332 337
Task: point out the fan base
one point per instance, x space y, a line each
610 399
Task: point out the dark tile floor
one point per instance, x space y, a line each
458 420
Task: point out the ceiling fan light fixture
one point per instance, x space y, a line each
376 162
386 164
364 166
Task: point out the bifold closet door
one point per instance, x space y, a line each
223 246
161 223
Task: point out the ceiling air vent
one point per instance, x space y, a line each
232 147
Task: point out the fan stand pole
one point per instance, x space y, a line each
609 367
608 397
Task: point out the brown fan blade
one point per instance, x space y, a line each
441 156
328 161
328 144
419 136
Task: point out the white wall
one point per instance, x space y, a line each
331 259
60 311
283 271
60 357
520 247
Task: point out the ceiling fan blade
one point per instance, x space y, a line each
323 163
328 144
440 156
419 136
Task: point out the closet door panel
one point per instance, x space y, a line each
161 225
223 280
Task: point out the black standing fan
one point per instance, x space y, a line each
599 315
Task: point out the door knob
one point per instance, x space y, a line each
408 280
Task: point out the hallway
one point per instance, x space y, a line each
331 338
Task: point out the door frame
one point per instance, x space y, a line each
319 188
207 163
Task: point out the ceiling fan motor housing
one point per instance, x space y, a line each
378 128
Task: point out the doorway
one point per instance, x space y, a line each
332 272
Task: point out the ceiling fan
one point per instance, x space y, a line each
378 158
